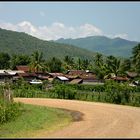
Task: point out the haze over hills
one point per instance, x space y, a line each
102 44
21 43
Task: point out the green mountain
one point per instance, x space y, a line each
21 43
107 46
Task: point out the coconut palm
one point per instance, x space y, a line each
37 61
54 65
136 57
19 59
85 64
113 65
98 59
69 62
126 65
79 62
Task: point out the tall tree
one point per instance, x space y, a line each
136 57
69 62
98 60
85 64
126 65
79 62
99 67
113 65
4 60
19 60
54 65
37 61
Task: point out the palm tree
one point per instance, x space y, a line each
37 61
20 59
69 62
126 65
113 65
54 65
98 59
79 64
136 57
85 64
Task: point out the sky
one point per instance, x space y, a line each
54 20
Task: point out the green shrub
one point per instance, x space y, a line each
9 111
64 92
111 92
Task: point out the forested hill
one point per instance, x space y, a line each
21 43
102 44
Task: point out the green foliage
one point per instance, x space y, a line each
98 60
21 43
111 92
54 65
69 60
4 60
34 118
63 92
37 62
9 111
113 65
82 64
136 57
126 65
21 59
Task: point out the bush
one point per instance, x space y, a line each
64 92
9 111
111 92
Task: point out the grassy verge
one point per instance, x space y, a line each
35 119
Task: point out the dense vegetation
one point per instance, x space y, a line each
9 110
103 67
21 43
110 92
107 46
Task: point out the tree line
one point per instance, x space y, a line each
103 66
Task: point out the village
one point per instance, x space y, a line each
71 76
69 70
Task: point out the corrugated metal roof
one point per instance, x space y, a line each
11 72
2 71
23 68
76 81
62 78
56 74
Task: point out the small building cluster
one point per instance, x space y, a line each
71 76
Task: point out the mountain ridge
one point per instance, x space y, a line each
13 42
108 46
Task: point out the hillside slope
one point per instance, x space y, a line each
21 43
117 46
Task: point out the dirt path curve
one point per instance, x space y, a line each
100 120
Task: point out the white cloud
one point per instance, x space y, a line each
89 30
56 30
124 36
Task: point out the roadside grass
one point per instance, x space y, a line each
35 119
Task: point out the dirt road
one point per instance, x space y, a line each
100 120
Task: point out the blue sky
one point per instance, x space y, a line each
53 20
